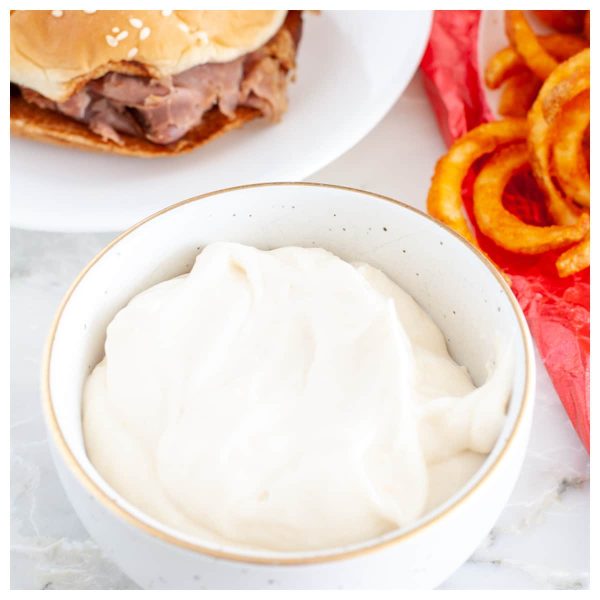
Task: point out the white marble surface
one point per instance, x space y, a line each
541 539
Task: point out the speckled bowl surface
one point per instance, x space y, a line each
464 294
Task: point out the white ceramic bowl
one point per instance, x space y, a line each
464 294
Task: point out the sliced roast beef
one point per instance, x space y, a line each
34 98
128 89
191 94
218 81
106 119
264 88
77 105
164 110
167 118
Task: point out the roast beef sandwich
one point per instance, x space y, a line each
147 83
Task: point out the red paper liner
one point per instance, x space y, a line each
557 310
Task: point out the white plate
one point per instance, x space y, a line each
352 66
491 39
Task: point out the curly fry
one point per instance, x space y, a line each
519 94
526 43
499 224
507 62
563 91
567 81
567 21
568 154
574 259
444 201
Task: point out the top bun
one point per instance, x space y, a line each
57 52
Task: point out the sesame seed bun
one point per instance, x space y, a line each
55 52
30 121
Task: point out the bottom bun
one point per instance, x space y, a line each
30 121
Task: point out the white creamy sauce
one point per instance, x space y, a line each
285 400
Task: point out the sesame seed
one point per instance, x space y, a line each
111 40
115 30
144 33
89 12
132 53
57 13
166 13
137 23
183 27
202 36
122 35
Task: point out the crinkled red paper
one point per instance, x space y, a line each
558 310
